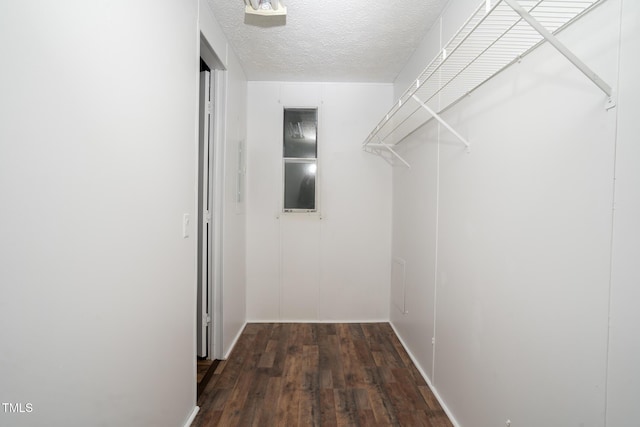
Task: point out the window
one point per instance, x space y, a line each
300 159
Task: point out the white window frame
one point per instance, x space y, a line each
312 160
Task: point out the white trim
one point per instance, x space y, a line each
203 211
216 184
318 321
192 416
234 342
316 159
300 214
217 191
426 378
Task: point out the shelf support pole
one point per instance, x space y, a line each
391 150
441 120
548 36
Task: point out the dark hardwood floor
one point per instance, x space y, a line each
318 375
205 371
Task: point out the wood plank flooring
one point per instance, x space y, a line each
205 371
203 366
307 374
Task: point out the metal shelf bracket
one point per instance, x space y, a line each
442 122
497 34
566 52
387 147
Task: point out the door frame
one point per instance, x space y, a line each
216 196
204 310
217 187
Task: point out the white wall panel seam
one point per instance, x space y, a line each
613 219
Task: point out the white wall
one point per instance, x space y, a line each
234 221
97 167
508 247
232 295
306 267
624 344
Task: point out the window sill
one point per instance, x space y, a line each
300 214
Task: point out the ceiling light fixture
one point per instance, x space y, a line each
265 8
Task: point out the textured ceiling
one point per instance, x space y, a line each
328 40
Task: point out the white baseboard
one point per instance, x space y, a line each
233 343
317 321
192 416
426 378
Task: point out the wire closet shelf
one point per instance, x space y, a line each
498 33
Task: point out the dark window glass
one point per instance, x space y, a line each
300 158
300 184
300 133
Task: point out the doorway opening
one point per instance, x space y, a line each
209 218
205 175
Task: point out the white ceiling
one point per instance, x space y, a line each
328 40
